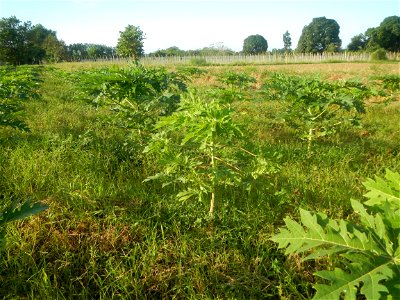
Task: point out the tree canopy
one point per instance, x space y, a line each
255 44
386 35
358 42
14 41
130 42
321 34
22 43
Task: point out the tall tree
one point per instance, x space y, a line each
22 43
320 34
287 41
55 50
130 42
13 40
386 36
255 44
36 40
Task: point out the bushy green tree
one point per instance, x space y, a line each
358 42
22 43
79 51
320 34
386 36
255 44
55 49
13 40
35 40
130 42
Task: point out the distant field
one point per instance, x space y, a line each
109 234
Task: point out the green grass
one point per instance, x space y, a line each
108 235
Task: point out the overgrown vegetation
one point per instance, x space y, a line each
16 86
110 233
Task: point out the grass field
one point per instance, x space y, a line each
109 235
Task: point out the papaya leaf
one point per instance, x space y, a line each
370 252
335 237
347 284
17 213
380 190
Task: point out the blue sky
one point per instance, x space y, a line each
196 24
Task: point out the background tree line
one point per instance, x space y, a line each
24 43
322 35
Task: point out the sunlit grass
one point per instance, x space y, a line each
108 235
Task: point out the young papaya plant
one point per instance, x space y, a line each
388 87
137 95
369 251
234 85
196 149
16 86
316 108
236 80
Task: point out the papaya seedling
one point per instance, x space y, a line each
137 95
196 148
316 108
235 80
16 86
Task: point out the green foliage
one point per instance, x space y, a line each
204 157
382 190
191 71
379 54
217 49
389 82
386 35
358 43
387 86
236 80
255 44
109 235
130 42
22 43
136 94
318 35
16 86
369 252
22 211
13 36
315 108
79 51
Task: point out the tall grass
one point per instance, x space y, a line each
108 235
